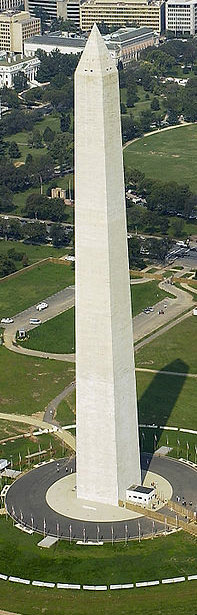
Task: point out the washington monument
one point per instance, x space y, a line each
108 459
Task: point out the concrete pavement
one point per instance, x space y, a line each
66 436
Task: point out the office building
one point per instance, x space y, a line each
15 28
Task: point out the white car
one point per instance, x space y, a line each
7 321
42 306
35 321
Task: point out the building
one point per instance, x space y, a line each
140 495
181 16
6 5
15 28
67 9
129 42
124 44
12 65
108 458
150 13
48 44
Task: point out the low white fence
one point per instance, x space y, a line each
73 586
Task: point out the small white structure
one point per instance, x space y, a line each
3 464
140 495
195 311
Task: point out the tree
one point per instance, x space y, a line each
48 135
190 100
15 229
36 232
59 236
146 118
135 258
28 160
155 104
9 97
132 96
13 150
37 139
20 81
7 265
65 122
177 227
130 129
6 199
43 16
44 208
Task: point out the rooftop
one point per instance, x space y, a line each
141 489
59 41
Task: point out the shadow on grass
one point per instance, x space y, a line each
157 402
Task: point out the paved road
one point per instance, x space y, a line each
32 220
143 324
163 330
28 494
58 303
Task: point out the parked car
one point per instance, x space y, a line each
35 321
160 312
7 321
42 306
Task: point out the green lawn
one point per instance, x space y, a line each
177 346
9 429
24 446
21 138
168 600
167 400
34 253
56 335
169 438
20 556
167 156
28 384
66 411
23 291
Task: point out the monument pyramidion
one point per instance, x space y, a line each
108 459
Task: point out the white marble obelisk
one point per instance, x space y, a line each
108 458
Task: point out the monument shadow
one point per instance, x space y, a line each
156 405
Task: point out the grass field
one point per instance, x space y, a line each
177 345
19 555
21 138
66 411
28 384
24 446
173 599
34 253
167 400
9 429
57 335
177 441
23 291
167 156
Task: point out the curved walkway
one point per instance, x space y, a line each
159 130
66 436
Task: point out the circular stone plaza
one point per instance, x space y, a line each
45 500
